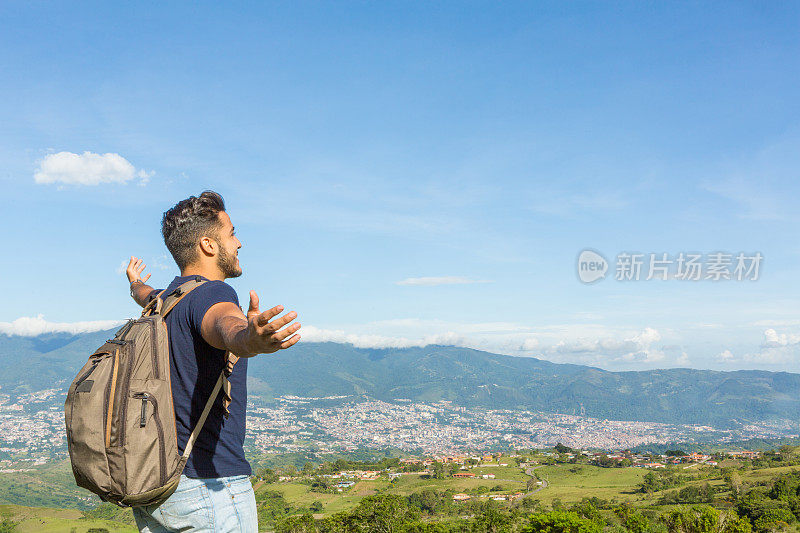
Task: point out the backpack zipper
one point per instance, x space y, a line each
162 459
109 399
169 382
154 346
143 416
126 385
85 375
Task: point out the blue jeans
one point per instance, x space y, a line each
225 504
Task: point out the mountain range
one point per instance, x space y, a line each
464 376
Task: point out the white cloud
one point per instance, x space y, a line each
780 355
312 334
631 349
724 357
778 323
647 337
529 344
773 339
776 349
88 168
443 280
33 326
683 359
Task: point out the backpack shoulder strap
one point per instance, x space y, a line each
172 299
222 385
162 304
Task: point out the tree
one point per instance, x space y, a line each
786 452
491 520
697 519
675 453
386 513
8 524
632 519
736 524
560 448
775 519
267 474
560 522
735 484
530 503
296 524
308 468
315 507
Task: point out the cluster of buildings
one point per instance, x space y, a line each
32 427
441 427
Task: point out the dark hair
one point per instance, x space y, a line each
190 219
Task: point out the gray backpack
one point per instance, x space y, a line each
119 414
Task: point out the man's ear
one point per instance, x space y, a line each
208 245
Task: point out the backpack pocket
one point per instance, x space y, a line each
85 415
148 456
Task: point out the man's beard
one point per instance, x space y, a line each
227 264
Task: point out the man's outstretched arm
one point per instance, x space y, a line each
227 328
139 290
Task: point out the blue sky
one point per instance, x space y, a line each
362 146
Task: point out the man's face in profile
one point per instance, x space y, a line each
228 257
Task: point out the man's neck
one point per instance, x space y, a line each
210 273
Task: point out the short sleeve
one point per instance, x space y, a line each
207 295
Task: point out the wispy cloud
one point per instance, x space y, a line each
87 168
312 334
162 262
755 201
604 348
638 348
442 280
569 204
756 183
32 326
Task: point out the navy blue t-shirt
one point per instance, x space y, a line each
195 366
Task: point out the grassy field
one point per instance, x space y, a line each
47 520
570 483
298 494
49 485
566 482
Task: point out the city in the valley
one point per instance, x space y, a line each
32 428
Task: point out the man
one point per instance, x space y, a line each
214 493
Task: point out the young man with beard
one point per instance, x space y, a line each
214 493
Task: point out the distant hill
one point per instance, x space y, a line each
467 377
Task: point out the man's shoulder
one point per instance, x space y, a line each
213 291
203 296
